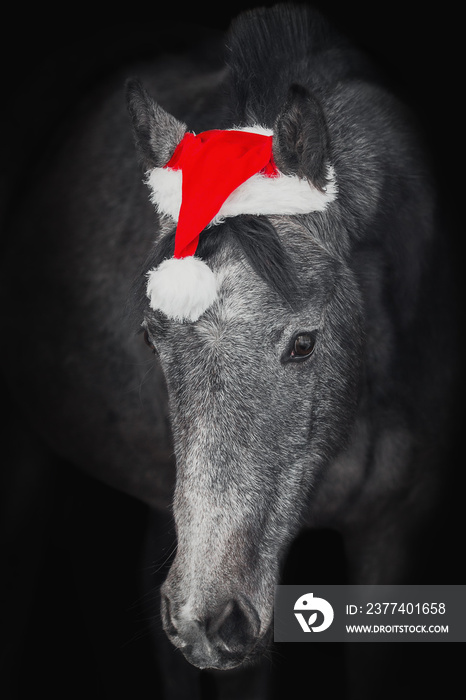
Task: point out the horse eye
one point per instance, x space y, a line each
303 346
148 342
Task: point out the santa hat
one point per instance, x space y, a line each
211 176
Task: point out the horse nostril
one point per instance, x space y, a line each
220 640
236 627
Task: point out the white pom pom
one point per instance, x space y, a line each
183 288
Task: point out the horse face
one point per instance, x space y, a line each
261 397
261 390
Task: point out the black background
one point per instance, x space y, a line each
73 567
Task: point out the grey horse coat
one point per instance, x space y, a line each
307 395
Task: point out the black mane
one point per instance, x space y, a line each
269 49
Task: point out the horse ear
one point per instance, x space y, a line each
156 132
301 138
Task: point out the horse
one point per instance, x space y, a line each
292 304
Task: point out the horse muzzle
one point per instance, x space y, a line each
222 637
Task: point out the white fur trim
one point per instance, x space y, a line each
255 129
165 186
286 194
183 288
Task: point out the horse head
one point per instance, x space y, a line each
263 371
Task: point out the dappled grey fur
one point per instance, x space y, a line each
349 437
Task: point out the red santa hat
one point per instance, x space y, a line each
211 176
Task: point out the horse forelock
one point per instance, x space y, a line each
255 237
